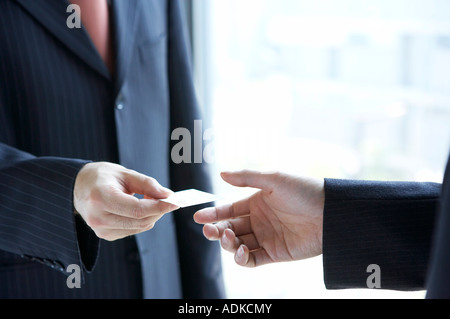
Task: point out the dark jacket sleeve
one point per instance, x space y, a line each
200 259
388 224
37 218
438 281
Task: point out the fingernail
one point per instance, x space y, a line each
240 252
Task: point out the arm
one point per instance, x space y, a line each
37 217
354 224
39 195
389 224
201 269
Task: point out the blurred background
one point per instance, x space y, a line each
354 89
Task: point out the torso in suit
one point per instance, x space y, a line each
59 109
402 227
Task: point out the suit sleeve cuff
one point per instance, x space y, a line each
388 224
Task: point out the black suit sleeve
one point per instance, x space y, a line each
438 281
389 224
36 209
200 259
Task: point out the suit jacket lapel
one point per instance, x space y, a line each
53 16
125 17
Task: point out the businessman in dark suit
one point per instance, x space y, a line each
401 227
85 121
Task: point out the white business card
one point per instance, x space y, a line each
190 197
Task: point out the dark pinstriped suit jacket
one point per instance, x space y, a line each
57 112
402 227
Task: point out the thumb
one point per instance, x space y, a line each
248 178
144 185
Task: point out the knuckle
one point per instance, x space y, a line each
149 182
160 210
97 197
137 212
94 222
108 194
228 225
224 245
103 234
277 175
125 224
146 224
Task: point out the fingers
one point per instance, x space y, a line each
240 226
246 250
137 183
119 203
112 224
231 242
229 211
129 216
232 234
112 227
247 178
230 224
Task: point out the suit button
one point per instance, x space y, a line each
120 102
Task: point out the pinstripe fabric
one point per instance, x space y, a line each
57 112
384 223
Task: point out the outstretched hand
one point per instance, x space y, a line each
281 222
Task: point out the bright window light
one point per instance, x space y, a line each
354 89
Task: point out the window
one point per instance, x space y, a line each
344 89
